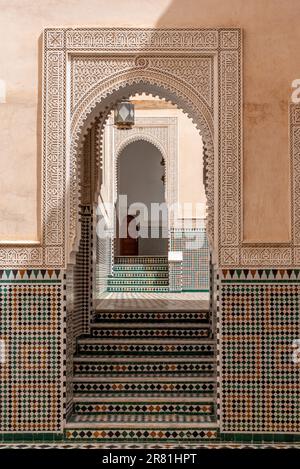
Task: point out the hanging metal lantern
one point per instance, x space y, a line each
124 115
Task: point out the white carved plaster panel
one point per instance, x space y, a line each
85 72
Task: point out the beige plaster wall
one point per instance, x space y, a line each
271 33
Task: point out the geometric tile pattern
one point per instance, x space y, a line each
148 387
142 407
142 368
156 389
31 305
103 257
163 315
83 270
141 260
143 332
139 274
175 276
195 266
140 435
259 320
213 444
149 418
151 349
139 288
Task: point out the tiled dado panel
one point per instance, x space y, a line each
195 268
31 329
258 322
103 264
83 272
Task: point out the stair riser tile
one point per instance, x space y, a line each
142 435
152 333
145 368
142 316
140 260
142 274
136 289
95 349
140 269
134 282
139 408
149 388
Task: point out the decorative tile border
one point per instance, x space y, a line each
141 435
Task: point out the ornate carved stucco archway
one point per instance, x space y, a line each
88 70
103 97
199 70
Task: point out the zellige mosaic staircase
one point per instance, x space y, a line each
145 376
139 274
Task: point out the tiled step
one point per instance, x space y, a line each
155 330
142 428
138 289
141 260
136 281
141 274
138 269
135 366
124 434
89 421
142 432
145 386
145 375
92 405
157 316
139 347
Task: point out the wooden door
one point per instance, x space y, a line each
128 245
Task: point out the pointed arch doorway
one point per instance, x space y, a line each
141 187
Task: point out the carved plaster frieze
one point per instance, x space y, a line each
136 39
295 158
85 72
266 256
21 256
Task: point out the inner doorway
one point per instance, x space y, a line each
141 189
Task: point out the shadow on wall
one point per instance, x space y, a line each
202 14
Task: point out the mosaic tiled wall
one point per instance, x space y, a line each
103 259
70 338
175 276
259 320
83 272
31 326
195 269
